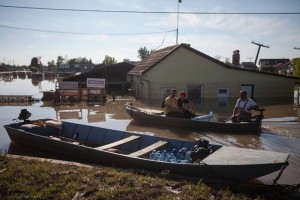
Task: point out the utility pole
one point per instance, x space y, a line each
259 45
179 1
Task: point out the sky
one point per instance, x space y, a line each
94 35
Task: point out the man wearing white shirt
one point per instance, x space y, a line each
243 107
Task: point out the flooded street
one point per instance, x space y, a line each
281 130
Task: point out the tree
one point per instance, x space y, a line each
296 66
51 65
144 52
227 60
218 57
59 61
36 64
109 60
270 69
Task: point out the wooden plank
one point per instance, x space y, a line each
119 142
149 148
243 156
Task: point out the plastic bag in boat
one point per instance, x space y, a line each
211 117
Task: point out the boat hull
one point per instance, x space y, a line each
158 119
85 149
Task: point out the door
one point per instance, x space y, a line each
249 89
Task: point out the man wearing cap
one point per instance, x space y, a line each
243 107
171 107
186 106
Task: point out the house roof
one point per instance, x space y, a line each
122 68
282 65
157 56
151 60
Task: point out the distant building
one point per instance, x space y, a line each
249 65
272 62
82 68
285 69
115 76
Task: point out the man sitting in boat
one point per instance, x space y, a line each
243 107
186 106
171 107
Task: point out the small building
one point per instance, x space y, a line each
272 62
115 76
285 69
249 65
201 76
75 68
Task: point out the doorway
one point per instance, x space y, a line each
249 89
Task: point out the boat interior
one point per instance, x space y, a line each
133 144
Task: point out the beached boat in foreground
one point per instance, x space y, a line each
220 124
123 149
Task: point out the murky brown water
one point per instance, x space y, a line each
280 133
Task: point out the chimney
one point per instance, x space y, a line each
236 58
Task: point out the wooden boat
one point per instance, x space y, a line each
220 124
123 149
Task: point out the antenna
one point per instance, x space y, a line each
259 45
179 1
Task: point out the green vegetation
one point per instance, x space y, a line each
109 60
296 67
143 52
35 179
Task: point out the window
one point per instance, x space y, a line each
223 93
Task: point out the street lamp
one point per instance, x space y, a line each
179 1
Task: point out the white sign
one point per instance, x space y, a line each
95 82
68 85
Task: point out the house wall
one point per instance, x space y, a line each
184 67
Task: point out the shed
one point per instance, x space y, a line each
114 75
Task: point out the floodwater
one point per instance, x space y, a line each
281 128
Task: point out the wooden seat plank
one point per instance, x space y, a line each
119 142
148 148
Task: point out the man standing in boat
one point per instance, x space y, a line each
186 106
242 108
171 107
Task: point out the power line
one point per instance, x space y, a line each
151 12
82 33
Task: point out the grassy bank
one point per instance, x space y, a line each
36 179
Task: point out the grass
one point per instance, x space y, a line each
36 179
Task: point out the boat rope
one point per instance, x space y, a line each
280 172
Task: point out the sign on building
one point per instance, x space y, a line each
68 85
95 82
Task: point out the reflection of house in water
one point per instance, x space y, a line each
22 74
95 116
7 78
76 112
36 78
69 114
